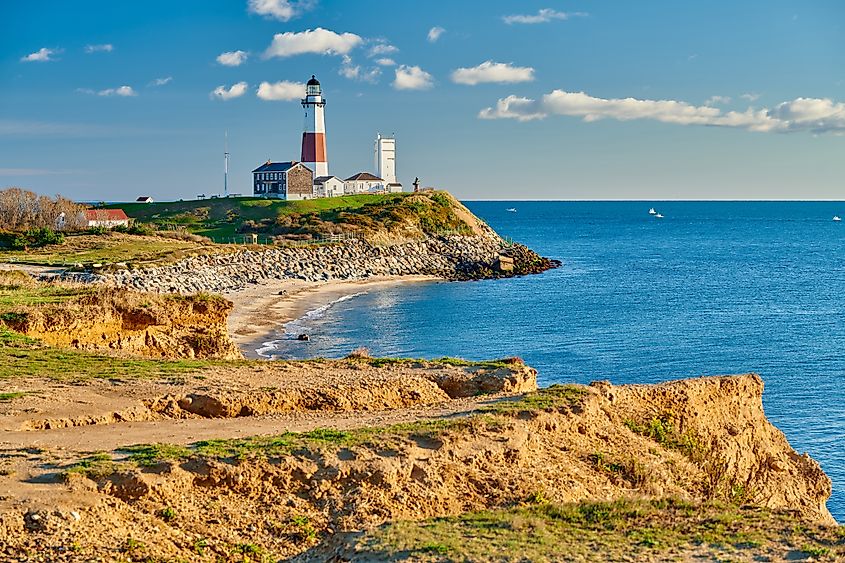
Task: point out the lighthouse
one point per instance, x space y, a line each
314 132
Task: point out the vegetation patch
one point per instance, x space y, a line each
553 398
619 530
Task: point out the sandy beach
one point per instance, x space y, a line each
261 309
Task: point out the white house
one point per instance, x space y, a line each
328 186
363 183
108 218
144 199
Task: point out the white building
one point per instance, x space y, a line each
328 186
363 183
385 160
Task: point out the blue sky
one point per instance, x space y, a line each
105 100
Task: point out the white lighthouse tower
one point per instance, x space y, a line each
314 133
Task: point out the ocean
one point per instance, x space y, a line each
709 288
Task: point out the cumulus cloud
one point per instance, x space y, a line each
282 91
543 16
234 91
105 48
356 72
434 33
232 58
489 71
320 41
123 91
714 100
818 115
412 78
382 48
161 81
386 61
42 55
282 10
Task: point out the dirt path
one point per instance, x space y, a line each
108 437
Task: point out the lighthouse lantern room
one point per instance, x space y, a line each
314 132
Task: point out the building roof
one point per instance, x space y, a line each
105 215
323 179
277 166
313 81
364 176
144 198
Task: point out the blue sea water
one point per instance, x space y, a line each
711 288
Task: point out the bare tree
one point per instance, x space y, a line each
22 209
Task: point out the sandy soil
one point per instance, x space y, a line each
265 308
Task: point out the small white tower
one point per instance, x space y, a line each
385 150
314 132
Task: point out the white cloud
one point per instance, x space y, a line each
161 81
434 33
715 100
386 61
355 72
105 48
123 91
282 10
818 115
320 41
543 16
234 91
281 91
232 58
751 97
382 48
412 78
489 71
42 55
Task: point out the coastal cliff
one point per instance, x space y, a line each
100 319
700 447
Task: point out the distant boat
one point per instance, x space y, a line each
659 216
652 211
836 218
511 209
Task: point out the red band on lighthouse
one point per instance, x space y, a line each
313 147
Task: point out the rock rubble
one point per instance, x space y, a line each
449 257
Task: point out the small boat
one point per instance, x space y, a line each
659 216
511 209
652 211
836 218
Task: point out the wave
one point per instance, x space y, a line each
294 328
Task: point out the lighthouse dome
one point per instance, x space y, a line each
313 81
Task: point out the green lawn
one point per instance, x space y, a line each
219 218
109 248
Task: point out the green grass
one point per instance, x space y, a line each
618 530
21 356
445 360
220 218
104 249
224 218
551 398
5 397
295 442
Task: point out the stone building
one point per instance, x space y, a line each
283 180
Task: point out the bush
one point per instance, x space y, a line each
35 237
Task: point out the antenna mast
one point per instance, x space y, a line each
226 164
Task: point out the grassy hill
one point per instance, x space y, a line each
369 216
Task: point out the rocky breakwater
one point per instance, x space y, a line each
450 257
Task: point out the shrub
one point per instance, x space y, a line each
35 237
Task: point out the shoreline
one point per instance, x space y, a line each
262 309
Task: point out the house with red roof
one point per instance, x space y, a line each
108 218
